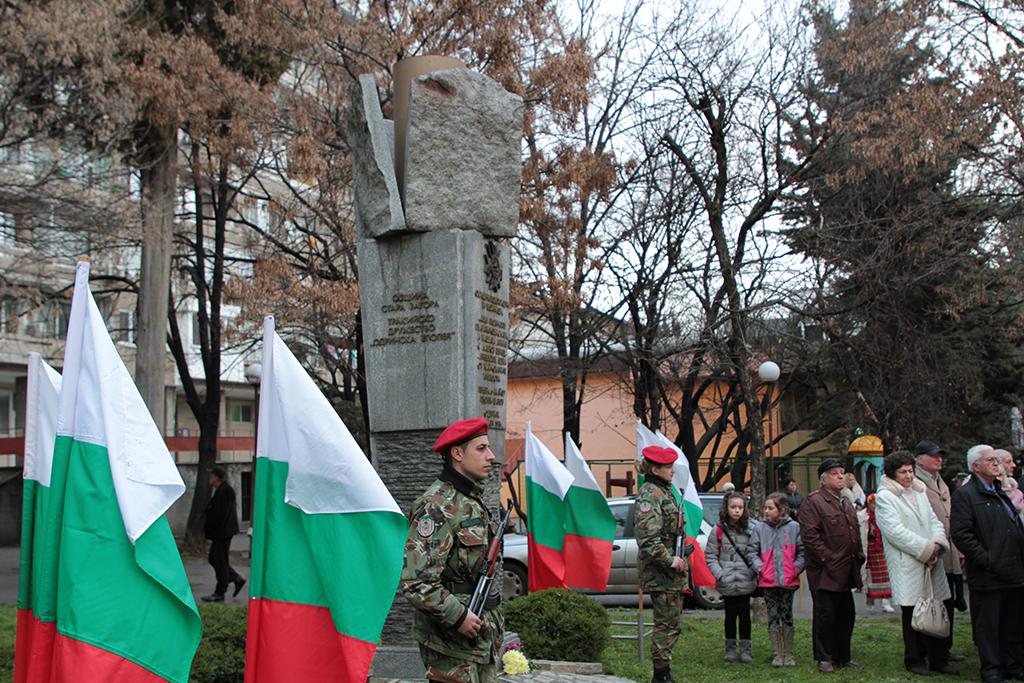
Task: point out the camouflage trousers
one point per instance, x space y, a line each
668 609
447 669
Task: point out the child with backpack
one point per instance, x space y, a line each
777 553
735 576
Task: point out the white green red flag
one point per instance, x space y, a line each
37 624
122 603
685 492
589 525
547 482
570 527
328 538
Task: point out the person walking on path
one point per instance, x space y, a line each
914 543
662 571
776 552
831 536
220 526
987 530
734 574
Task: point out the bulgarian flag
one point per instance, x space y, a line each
589 525
570 526
328 538
547 482
37 624
120 599
690 506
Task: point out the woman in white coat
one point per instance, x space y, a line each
914 541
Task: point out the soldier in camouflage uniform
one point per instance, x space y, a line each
662 572
450 529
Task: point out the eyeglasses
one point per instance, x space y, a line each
991 460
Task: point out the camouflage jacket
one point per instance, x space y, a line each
450 528
656 522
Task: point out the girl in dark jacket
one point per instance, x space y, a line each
734 576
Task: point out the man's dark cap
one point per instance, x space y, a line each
927 448
827 464
218 472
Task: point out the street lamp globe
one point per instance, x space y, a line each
769 372
253 374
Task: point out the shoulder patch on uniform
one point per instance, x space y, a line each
425 527
645 506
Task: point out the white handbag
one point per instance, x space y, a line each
930 616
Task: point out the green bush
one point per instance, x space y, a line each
221 654
560 625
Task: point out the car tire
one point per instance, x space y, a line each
515 580
706 597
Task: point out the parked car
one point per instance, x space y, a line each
623 578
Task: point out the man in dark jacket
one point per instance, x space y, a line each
833 556
988 533
221 526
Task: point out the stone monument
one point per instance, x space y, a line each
433 271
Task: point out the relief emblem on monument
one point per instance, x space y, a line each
492 266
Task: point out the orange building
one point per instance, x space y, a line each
608 429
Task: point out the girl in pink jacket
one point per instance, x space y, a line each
777 554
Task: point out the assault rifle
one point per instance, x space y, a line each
488 565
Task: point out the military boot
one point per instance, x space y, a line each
745 655
662 674
776 636
730 649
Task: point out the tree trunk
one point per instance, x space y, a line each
194 531
158 180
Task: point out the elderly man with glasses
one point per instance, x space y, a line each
988 532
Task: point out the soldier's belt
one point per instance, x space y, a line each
459 588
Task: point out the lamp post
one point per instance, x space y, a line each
253 374
769 373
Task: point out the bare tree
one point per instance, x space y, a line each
719 112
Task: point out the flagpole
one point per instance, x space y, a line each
253 375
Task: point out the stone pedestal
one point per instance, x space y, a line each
433 276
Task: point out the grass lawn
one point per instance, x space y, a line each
877 644
8 618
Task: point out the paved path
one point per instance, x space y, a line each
200 573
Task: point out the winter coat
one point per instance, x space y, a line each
989 538
941 500
726 564
776 552
831 535
221 513
908 536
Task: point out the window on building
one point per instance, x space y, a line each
7 229
241 412
124 330
7 420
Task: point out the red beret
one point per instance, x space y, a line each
662 456
460 432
